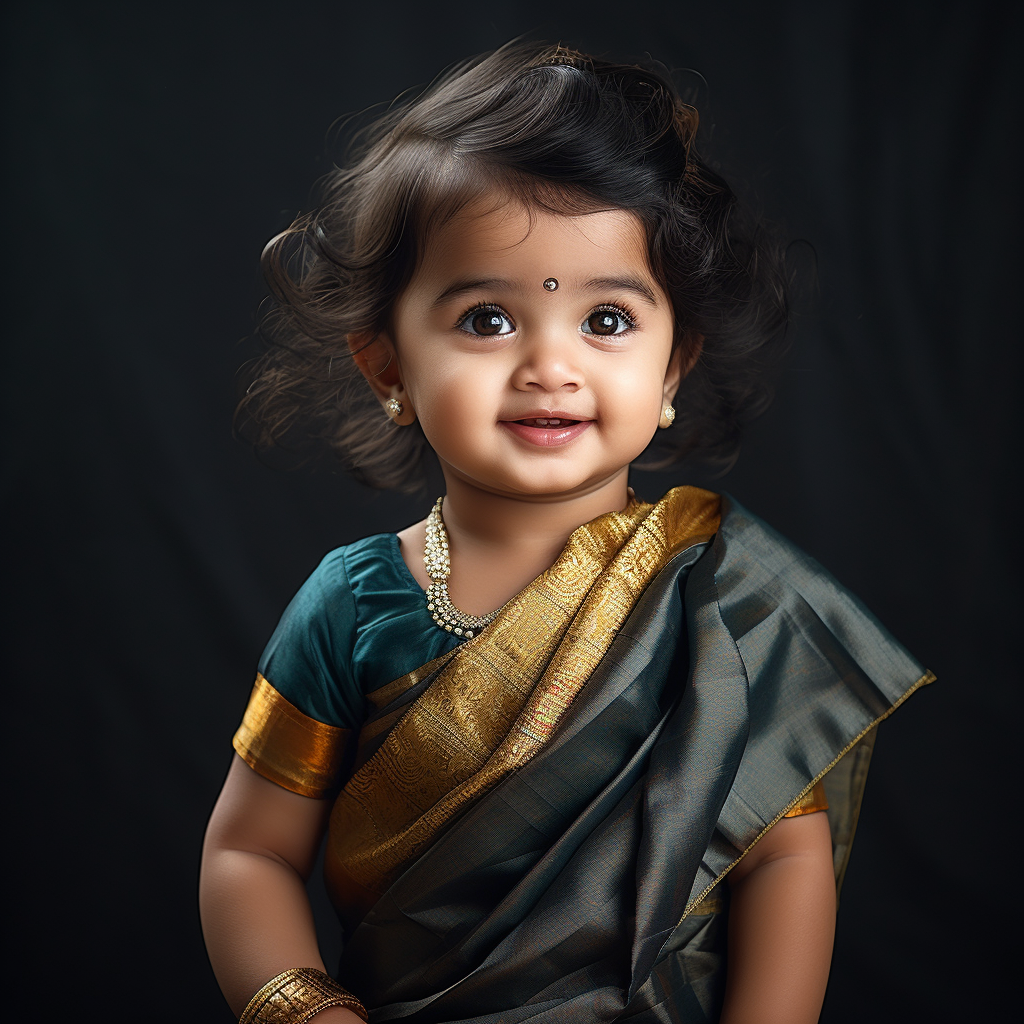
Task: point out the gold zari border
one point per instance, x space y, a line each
288 747
499 699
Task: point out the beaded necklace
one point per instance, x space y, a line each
438 566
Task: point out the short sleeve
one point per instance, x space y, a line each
309 657
305 707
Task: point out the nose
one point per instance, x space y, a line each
548 361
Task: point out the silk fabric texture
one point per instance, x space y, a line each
536 824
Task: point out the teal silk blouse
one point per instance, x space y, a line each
359 621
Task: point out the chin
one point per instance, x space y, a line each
562 487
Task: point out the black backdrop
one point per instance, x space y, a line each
153 149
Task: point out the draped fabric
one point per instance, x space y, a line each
490 707
538 822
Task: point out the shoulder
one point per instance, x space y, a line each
341 570
772 596
325 611
337 565
309 658
744 531
753 561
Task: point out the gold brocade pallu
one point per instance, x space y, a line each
536 823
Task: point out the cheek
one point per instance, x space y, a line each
427 381
449 399
638 400
640 392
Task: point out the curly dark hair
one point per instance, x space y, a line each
556 130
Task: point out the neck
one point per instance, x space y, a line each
477 520
500 543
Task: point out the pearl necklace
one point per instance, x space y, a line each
439 568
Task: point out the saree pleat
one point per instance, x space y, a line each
583 885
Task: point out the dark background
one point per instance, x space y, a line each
153 150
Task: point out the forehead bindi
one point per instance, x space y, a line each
516 245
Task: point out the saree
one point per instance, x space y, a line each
536 825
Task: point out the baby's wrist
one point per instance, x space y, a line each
301 994
337 1015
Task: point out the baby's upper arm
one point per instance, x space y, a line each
258 816
806 836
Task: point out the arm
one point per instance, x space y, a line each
781 925
260 847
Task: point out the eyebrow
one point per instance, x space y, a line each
472 285
626 283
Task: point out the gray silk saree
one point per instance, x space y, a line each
536 825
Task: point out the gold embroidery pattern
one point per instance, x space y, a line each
498 700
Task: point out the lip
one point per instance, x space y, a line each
547 437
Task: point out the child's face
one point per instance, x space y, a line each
488 354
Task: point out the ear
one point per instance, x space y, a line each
682 361
377 359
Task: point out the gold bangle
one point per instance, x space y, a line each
294 996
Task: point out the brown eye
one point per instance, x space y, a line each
606 322
486 323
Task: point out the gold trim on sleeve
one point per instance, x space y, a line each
715 905
288 747
813 800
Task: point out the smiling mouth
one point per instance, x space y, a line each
546 431
547 423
